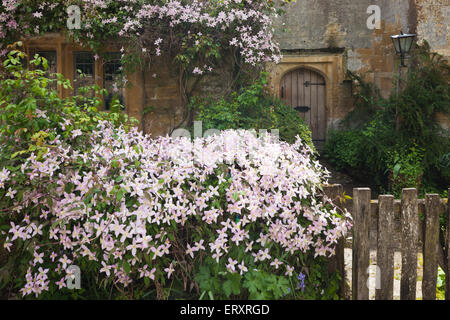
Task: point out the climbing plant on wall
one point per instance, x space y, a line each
194 34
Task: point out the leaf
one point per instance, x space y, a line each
396 170
126 266
120 194
147 258
250 284
114 164
203 277
88 197
49 201
228 288
18 153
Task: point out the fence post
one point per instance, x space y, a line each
430 246
410 236
335 192
361 218
447 260
385 247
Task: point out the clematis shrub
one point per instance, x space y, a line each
227 216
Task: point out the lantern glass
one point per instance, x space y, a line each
406 43
403 43
396 42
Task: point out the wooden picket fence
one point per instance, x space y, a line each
415 234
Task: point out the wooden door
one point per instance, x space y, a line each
305 91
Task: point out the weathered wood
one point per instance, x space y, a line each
397 205
335 192
385 247
430 247
410 236
322 111
361 216
307 101
447 269
314 107
407 210
301 91
294 88
295 93
421 208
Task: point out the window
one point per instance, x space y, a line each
111 72
84 62
51 58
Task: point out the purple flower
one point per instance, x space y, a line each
301 277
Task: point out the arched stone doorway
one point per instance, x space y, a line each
305 91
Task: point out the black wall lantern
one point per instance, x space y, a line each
402 44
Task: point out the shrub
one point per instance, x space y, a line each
230 216
253 108
343 149
134 209
367 100
405 170
443 167
31 108
391 128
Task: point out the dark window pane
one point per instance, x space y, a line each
84 62
51 57
111 72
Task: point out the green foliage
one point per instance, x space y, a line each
320 285
266 286
405 170
223 285
443 167
215 283
440 288
398 142
426 93
253 108
30 107
343 149
30 114
367 98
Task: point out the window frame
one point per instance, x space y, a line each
66 60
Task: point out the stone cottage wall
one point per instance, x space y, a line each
326 36
312 30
